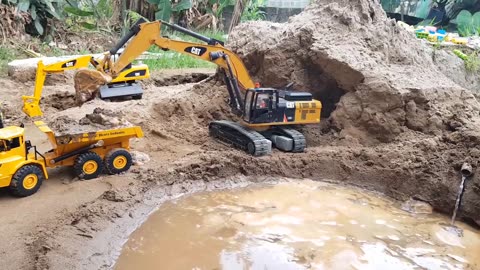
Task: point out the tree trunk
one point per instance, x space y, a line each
237 13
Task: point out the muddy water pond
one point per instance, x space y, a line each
296 225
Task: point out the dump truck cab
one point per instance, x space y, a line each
17 166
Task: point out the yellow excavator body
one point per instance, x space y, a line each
31 104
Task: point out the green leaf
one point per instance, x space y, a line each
476 20
165 10
88 26
78 12
182 5
33 12
49 5
54 14
464 19
13 1
23 5
38 26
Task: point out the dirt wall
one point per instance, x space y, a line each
374 78
380 87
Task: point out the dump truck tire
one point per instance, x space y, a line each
117 161
26 181
88 166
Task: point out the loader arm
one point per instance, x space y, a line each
31 104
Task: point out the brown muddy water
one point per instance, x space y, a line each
296 225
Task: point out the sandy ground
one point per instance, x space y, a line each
71 224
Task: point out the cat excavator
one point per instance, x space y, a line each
267 114
124 83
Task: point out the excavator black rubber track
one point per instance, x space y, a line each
241 137
286 139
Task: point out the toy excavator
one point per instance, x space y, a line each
266 113
124 84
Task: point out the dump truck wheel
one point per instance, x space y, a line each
26 181
117 161
88 166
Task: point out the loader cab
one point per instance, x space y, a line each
261 105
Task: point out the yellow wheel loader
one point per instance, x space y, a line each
23 168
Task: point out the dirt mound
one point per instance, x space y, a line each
374 78
388 97
60 101
99 119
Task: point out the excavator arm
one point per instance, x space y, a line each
145 34
31 104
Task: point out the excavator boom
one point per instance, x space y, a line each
143 35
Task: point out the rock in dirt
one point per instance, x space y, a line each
374 78
139 158
104 118
417 207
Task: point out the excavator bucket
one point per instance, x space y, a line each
31 106
88 83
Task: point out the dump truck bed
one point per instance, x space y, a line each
65 144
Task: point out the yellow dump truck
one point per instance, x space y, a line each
23 168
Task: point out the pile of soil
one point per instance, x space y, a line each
380 87
99 119
373 77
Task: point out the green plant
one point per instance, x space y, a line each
7 54
472 62
468 24
253 12
39 10
89 14
166 8
220 7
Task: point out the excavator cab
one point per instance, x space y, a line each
260 105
